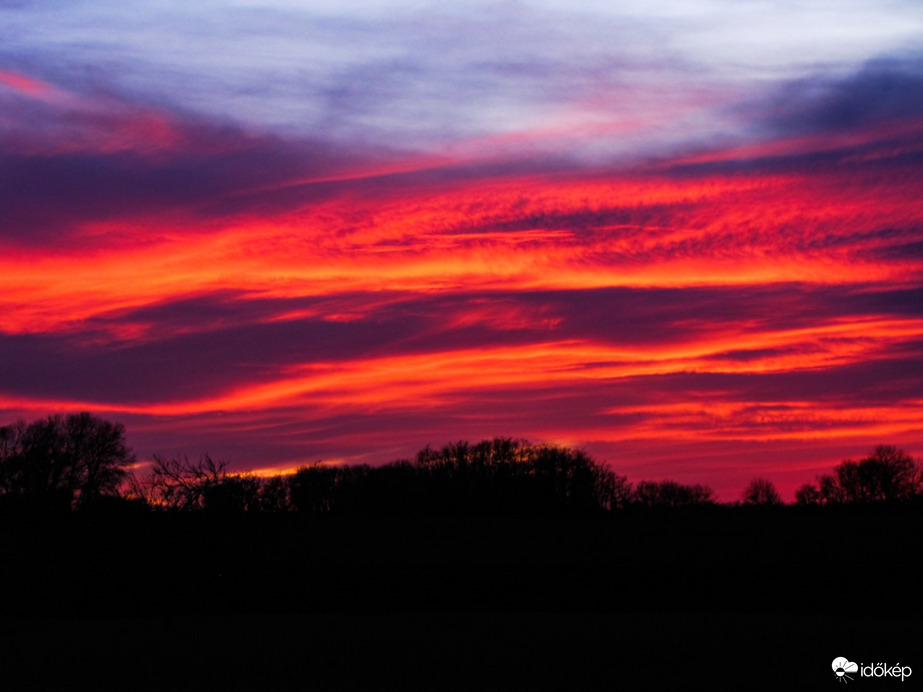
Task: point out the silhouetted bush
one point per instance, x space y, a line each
670 494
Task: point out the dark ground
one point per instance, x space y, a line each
729 599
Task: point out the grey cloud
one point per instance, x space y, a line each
409 79
882 90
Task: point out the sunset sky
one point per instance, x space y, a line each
684 236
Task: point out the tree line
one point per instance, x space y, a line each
80 461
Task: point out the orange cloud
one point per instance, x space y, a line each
523 233
438 378
348 251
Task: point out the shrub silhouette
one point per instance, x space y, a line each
670 494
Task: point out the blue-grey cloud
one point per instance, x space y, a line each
431 75
883 90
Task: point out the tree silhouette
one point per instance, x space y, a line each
63 462
492 476
808 494
178 483
274 494
232 493
314 488
181 484
78 461
886 475
760 491
612 490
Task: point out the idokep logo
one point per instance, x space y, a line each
843 666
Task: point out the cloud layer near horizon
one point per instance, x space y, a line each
362 231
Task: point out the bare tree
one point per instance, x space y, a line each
63 461
887 474
808 494
274 494
99 453
612 490
178 483
760 491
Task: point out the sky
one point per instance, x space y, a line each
685 237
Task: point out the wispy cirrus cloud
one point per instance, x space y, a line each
431 77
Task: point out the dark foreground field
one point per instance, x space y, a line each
720 597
